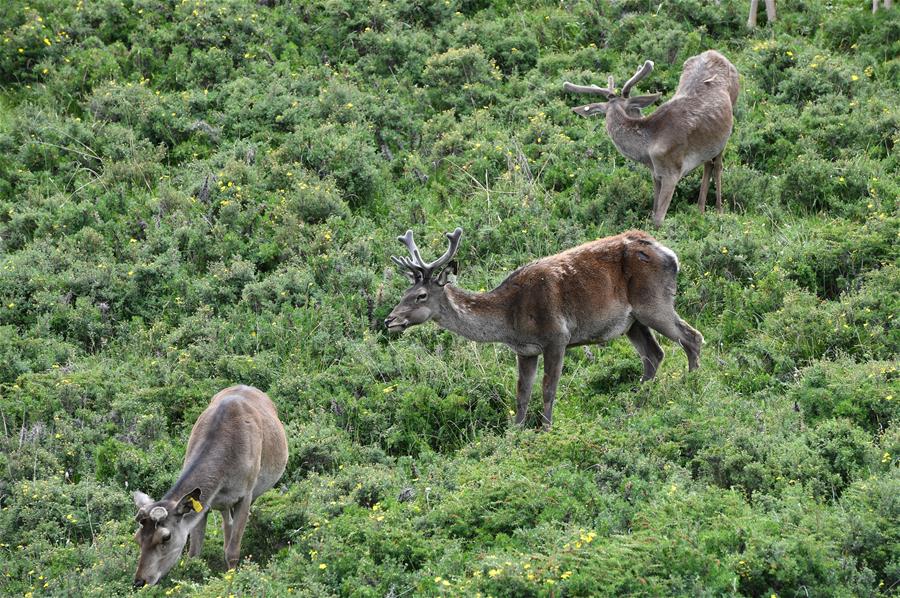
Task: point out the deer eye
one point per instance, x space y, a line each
421 297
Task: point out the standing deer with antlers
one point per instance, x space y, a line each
690 129
592 293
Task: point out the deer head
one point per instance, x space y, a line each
163 532
631 106
423 299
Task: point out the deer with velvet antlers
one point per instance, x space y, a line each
690 129
589 294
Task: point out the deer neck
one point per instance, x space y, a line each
476 316
196 473
628 134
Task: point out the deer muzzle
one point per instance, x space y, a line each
396 324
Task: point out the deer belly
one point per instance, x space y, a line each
692 161
695 159
526 349
605 330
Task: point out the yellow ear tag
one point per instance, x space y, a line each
196 504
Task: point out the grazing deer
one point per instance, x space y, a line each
237 451
690 129
589 294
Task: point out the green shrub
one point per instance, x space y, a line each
859 392
199 194
460 78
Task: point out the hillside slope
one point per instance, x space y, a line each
196 193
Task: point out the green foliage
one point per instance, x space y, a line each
859 392
460 78
198 193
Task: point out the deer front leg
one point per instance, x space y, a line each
717 170
666 189
197 535
241 513
527 370
704 185
655 193
553 360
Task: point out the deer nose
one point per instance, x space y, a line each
139 583
394 324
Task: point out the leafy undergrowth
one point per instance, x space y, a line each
199 193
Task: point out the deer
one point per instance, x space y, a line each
690 129
236 451
770 12
589 294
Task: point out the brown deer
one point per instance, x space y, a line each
237 451
588 294
690 129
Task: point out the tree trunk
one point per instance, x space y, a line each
754 6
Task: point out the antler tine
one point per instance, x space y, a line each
453 246
418 267
410 243
590 89
400 262
406 263
612 86
640 74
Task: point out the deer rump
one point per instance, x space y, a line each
702 108
706 73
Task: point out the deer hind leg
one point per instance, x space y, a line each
662 318
704 185
197 535
646 346
666 189
553 361
717 170
527 370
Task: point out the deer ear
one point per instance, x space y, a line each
641 102
444 276
591 109
189 503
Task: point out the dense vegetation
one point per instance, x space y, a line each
196 193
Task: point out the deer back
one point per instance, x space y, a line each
238 439
587 289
